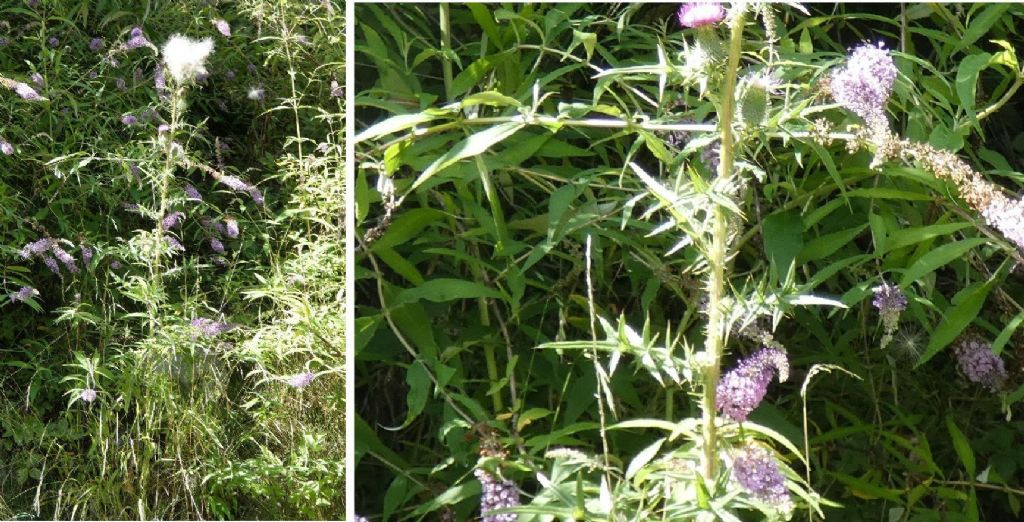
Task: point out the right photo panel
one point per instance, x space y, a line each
700 261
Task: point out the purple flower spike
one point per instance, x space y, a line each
38 80
192 194
129 119
257 196
24 294
87 253
210 328
172 220
54 41
222 27
234 183
756 470
36 248
51 263
979 364
26 92
216 245
136 32
96 44
301 380
174 244
67 259
88 395
496 494
742 389
864 85
699 14
6 147
231 228
890 302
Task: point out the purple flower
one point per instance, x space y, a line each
192 194
174 244
257 196
38 80
135 42
865 83
162 128
93 75
129 119
251 68
336 90
256 93
6 147
210 328
223 27
979 364
121 84
36 248
234 183
53 41
890 302
699 14
26 92
136 32
88 395
64 257
216 245
115 264
96 44
743 388
87 253
301 380
756 470
51 263
496 494
172 220
229 75
32 4
231 228
159 81
24 294
4 42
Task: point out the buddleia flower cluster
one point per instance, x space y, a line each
864 85
47 249
497 494
756 470
743 388
978 363
210 328
890 302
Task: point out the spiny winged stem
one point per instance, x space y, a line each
717 255
177 98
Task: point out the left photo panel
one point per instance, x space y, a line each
172 260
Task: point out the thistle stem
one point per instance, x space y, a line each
717 256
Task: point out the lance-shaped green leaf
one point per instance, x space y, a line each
471 146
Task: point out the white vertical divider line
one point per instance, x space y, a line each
350 356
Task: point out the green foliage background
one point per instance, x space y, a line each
476 256
185 426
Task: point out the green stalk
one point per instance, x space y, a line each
446 45
717 256
177 97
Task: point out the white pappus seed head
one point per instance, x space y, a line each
186 58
